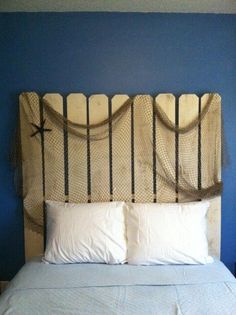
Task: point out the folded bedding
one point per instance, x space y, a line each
45 289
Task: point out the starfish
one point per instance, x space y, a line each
39 129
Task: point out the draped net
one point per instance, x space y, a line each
196 180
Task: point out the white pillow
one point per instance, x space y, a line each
90 232
167 233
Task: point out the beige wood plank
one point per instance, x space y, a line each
165 149
143 150
121 148
214 226
98 111
188 147
54 152
33 244
29 113
77 149
188 109
212 121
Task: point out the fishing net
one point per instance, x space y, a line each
136 153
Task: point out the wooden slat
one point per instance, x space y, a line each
143 150
212 120
34 243
77 148
121 140
100 189
214 214
31 184
214 226
166 147
54 163
188 163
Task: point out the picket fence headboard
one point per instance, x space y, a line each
115 166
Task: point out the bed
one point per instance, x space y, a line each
45 289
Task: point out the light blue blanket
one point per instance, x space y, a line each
97 289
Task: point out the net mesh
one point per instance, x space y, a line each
136 153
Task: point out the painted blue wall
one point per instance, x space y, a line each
112 53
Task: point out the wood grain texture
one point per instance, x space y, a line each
166 147
33 240
98 111
121 149
188 163
143 149
54 158
76 107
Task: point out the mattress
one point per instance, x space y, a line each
98 289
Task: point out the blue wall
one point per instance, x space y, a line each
112 53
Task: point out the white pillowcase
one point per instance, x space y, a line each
167 233
91 232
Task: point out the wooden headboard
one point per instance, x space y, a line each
107 170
